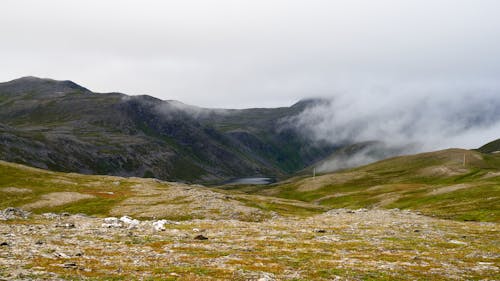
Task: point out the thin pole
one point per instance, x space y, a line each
314 172
464 159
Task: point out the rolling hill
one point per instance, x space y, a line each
40 191
453 183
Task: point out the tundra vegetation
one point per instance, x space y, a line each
420 217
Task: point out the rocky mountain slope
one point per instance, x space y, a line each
62 126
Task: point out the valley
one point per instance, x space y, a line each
105 186
417 217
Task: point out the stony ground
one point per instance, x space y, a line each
336 245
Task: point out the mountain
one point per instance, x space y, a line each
491 147
453 183
62 126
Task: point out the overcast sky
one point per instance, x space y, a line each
237 54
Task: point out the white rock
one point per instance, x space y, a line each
159 225
457 242
128 220
112 222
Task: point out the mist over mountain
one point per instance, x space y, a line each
62 126
406 121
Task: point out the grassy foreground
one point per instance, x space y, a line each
42 191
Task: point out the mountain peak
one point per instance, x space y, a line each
41 85
304 103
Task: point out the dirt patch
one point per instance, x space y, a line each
182 201
311 184
443 171
63 181
57 199
11 189
448 189
386 199
491 175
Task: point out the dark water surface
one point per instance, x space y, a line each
255 180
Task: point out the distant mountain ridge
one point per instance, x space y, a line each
491 147
63 126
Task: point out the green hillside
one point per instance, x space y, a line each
42 191
491 147
437 183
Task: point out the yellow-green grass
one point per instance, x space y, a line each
21 186
438 183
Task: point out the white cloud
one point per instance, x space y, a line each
227 53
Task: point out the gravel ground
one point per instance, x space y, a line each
337 245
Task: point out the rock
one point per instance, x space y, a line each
456 242
66 225
320 231
160 225
13 213
266 277
50 215
4 244
112 222
200 237
132 223
39 242
70 265
61 255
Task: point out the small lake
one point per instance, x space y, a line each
261 181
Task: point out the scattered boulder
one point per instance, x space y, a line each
61 255
456 242
67 225
13 213
50 216
112 222
4 244
70 265
200 237
159 225
132 223
265 276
